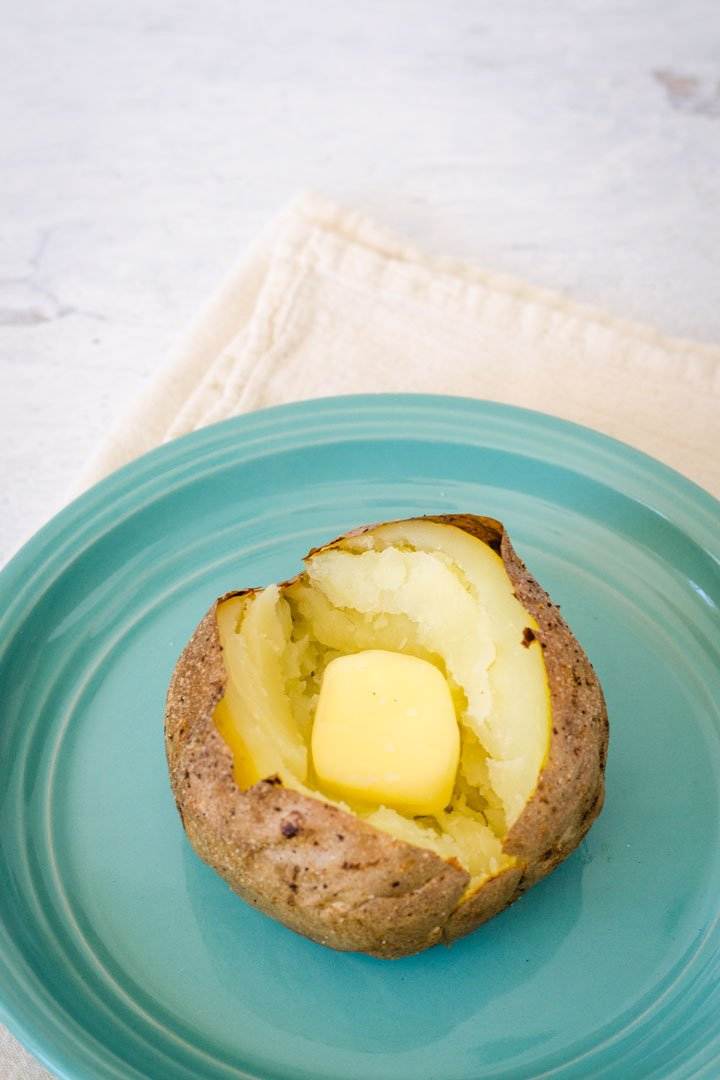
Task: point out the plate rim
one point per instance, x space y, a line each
664 475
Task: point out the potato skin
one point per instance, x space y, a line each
339 881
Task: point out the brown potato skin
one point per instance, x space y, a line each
332 877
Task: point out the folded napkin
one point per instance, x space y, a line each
329 303
16 1063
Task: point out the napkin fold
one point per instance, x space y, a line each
329 303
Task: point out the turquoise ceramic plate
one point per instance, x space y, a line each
122 955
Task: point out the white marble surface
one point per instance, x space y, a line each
575 144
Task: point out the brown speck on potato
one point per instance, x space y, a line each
291 825
527 638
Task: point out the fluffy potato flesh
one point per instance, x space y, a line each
419 588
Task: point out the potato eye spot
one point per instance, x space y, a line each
290 827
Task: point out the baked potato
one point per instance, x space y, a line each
388 846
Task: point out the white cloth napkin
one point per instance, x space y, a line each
329 303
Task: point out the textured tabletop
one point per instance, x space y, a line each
576 145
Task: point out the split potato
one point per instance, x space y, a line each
387 750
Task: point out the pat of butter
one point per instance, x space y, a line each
385 732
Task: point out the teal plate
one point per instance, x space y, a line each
122 955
